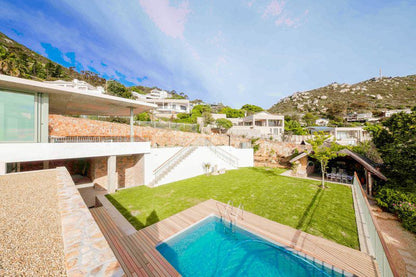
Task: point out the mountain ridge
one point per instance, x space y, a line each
372 95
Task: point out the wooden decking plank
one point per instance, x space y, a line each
111 239
148 248
144 240
114 236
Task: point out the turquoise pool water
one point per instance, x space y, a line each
214 248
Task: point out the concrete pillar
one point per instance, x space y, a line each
45 164
112 178
131 125
369 183
3 168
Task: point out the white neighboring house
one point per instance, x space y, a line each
259 125
77 84
166 107
389 113
344 135
322 122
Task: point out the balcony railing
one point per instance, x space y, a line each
87 139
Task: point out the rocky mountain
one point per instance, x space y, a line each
335 99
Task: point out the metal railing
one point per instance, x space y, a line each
185 151
381 252
89 139
222 154
184 127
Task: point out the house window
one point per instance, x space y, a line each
17 117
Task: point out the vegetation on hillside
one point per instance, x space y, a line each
396 143
19 61
336 100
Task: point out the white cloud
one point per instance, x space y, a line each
169 19
274 8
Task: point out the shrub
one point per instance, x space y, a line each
400 203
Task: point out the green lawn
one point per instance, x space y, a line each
291 201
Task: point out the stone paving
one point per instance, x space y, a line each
401 243
87 253
30 225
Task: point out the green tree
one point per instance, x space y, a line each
223 124
198 110
323 151
208 119
396 143
293 127
309 119
251 109
118 89
232 113
142 117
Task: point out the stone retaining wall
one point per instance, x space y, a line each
270 152
86 250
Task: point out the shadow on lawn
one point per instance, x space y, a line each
151 219
310 210
266 171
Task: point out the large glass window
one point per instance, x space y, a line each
17 117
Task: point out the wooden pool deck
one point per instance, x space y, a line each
138 256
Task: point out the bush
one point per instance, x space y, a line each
400 203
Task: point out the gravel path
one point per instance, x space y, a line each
30 225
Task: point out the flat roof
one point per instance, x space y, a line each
71 101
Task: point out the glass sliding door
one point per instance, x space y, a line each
17 117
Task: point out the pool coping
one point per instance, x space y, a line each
333 255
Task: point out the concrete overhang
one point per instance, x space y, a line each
70 101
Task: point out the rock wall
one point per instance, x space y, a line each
270 153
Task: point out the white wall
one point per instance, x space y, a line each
192 165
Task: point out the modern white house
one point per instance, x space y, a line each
259 125
322 122
389 113
25 144
359 117
77 84
344 135
166 107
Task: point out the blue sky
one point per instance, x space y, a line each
234 52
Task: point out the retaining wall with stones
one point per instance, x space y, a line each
270 152
86 250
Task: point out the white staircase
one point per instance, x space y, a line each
164 169
171 163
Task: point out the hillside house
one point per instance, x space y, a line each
389 113
77 84
261 124
343 135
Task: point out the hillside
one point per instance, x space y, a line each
19 61
372 95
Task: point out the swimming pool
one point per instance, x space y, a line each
214 248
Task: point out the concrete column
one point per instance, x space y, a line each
369 183
131 125
3 168
112 178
